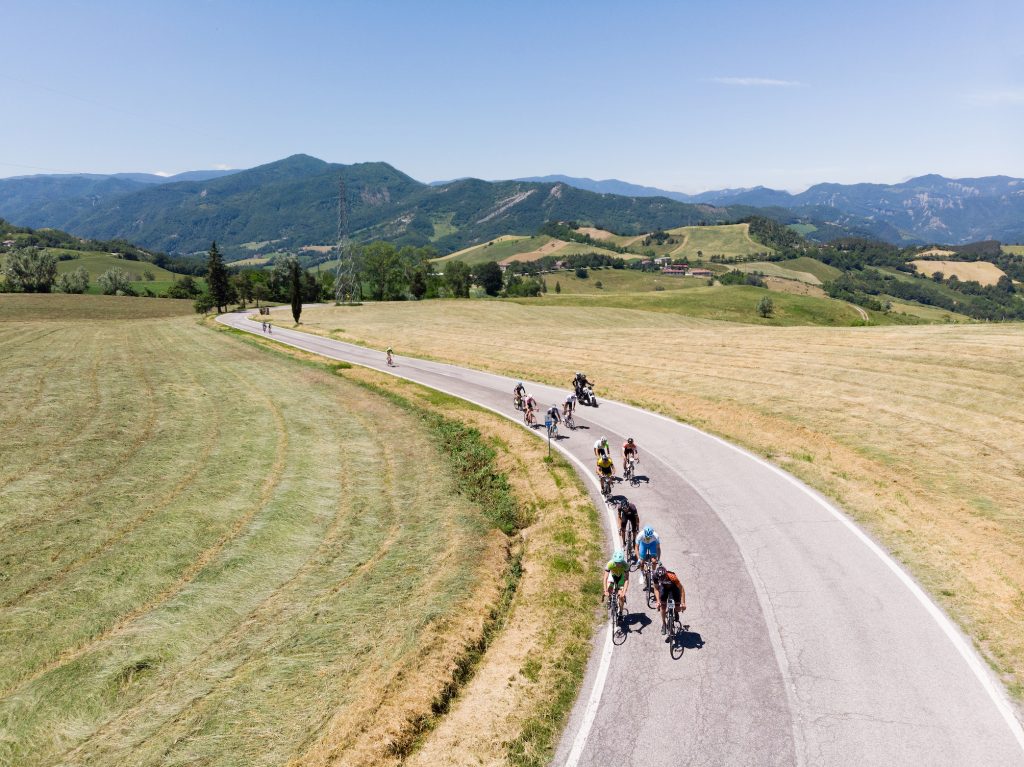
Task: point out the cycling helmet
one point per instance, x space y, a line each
519 384
619 557
659 573
648 532
603 439
629 440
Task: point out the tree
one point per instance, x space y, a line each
217 278
186 287
382 269
73 282
203 303
488 276
295 287
765 307
458 276
418 283
115 281
30 270
581 273
558 286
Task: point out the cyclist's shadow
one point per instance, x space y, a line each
685 640
631 623
638 478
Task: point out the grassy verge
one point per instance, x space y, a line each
516 684
914 430
203 548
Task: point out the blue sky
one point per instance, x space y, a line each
681 95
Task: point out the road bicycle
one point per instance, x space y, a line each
528 417
627 543
607 484
570 422
673 619
647 566
553 430
629 472
391 361
613 606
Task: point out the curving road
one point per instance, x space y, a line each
806 644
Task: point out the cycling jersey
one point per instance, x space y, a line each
617 571
628 448
651 550
602 447
531 403
627 511
670 586
554 415
605 466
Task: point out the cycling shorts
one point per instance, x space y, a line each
649 550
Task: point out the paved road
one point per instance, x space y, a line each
805 645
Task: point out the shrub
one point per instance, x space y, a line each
581 272
765 307
115 281
73 282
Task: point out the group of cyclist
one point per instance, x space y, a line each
645 549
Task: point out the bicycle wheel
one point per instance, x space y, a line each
650 587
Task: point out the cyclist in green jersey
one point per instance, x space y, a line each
617 571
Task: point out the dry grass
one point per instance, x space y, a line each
26 307
917 431
980 271
200 566
794 287
547 249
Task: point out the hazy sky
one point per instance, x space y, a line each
681 95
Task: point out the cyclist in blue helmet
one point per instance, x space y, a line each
648 546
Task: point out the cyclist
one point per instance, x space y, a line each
618 574
601 447
530 406
518 395
555 416
630 450
569 406
648 546
627 513
605 470
668 586
389 353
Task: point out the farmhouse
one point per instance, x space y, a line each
674 271
663 261
700 273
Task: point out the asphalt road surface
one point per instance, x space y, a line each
804 643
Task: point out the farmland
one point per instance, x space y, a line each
980 271
96 263
706 241
914 430
193 555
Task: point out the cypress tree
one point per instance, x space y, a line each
217 276
295 291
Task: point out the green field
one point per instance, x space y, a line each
202 566
706 241
617 281
495 250
96 263
822 271
803 229
1017 250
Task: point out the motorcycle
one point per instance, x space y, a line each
586 396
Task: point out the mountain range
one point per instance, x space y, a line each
928 208
293 202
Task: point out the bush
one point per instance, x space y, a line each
581 272
765 307
73 282
30 270
203 303
115 281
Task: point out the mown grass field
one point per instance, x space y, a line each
775 269
694 299
724 240
917 431
616 281
982 271
496 249
215 554
1017 250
